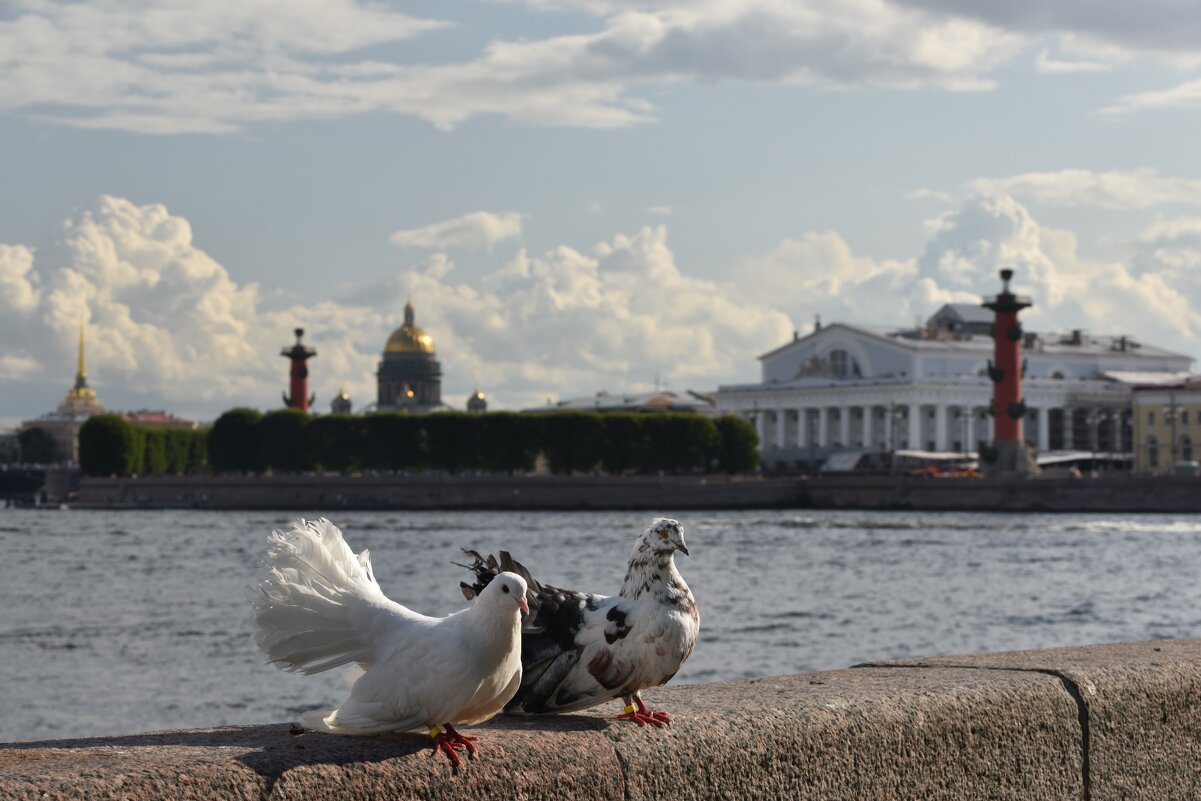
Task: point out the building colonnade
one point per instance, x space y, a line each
943 427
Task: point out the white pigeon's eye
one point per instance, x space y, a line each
504 588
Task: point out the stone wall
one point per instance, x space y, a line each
1122 493
332 492
1116 493
1098 722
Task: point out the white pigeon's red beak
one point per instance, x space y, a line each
524 606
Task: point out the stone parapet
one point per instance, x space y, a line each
1099 722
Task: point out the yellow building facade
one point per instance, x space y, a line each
1167 427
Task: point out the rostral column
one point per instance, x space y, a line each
299 397
1012 454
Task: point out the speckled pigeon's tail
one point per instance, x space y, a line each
486 568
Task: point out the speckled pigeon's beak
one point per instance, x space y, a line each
524 606
682 548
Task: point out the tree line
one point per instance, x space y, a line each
289 441
111 445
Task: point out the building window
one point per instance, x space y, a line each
1057 374
1152 453
838 363
842 365
1186 449
1184 417
1150 418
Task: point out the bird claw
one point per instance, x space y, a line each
444 745
644 716
448 742
461 740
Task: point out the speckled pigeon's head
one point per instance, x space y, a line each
665 535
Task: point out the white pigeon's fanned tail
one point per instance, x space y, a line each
309 591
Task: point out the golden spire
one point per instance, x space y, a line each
81 397
83 370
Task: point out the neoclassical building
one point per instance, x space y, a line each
80 403
869 388
409 376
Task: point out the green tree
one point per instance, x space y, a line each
338 442
739 448
154 451
233 441
679 441
625 446
394 442
283 444
185 449
37 446
454 441
109 445
509 442
198 451
572 441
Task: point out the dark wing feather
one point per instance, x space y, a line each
549 649
486 568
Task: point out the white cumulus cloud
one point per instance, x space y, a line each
161 67
1111 189
164 317
479 230
1184 96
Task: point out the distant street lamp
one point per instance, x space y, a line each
1093 419
1170 414
895 413
811 426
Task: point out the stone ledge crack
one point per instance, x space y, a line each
624 768
1070 686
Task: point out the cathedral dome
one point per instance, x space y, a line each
410 337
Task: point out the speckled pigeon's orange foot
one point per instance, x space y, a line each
644 716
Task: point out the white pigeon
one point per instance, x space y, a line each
318 606
580 649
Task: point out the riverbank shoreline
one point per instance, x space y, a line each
1122 494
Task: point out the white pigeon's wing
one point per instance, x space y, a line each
491 698
318 606
425 674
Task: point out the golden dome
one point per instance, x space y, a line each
410 337
81 393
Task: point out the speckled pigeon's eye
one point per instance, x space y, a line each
664 534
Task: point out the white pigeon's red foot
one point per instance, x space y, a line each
643 715
447 744
464 740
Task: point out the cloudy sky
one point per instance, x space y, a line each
577 195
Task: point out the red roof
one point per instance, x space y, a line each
147 417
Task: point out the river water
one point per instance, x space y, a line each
118 622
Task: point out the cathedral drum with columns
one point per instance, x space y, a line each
409 377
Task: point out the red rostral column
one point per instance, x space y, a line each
1006 367
299 354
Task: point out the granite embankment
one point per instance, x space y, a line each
331 492
657 493
1093 723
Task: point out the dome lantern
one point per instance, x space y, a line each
410 337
